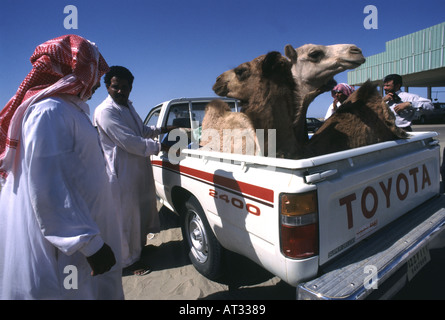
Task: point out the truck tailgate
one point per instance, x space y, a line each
368 194
387 259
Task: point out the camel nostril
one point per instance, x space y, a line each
355 50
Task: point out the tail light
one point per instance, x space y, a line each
299 225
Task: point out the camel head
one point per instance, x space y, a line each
246 81
314 66
313 69
266 88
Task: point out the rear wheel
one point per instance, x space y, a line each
204 250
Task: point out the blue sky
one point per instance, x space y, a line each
178 48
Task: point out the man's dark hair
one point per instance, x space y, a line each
397 79
118 72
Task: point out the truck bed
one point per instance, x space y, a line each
349 241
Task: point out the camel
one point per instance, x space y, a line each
265 87
313 68
221 129
363 119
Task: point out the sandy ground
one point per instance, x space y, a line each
173 277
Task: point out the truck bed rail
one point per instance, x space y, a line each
310 162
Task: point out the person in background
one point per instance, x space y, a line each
403 104
340 93
57 214
128 144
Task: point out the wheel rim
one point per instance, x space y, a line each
197 237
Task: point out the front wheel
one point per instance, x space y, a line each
204 250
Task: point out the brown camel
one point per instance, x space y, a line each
363 119
265 87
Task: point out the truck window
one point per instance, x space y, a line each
179 115
232 106
153 116
198 110
189 116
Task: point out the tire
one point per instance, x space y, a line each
203 248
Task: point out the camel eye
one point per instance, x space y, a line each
241 72
316 55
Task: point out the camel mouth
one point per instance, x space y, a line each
353 63
220 90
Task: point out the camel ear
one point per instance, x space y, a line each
291 53
272 64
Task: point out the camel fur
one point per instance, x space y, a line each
222 129
265 88
363 119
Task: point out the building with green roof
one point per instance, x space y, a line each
418 57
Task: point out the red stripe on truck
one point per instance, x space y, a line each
242 187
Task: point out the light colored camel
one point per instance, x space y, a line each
313 68
227 131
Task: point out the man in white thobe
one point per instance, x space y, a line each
57 217
127 144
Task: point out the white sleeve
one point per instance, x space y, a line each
151 132
329 112
418 102
110 123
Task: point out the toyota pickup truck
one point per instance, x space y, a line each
353 224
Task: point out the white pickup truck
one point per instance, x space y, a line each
348 225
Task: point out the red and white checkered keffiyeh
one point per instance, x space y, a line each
345 88
67 64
